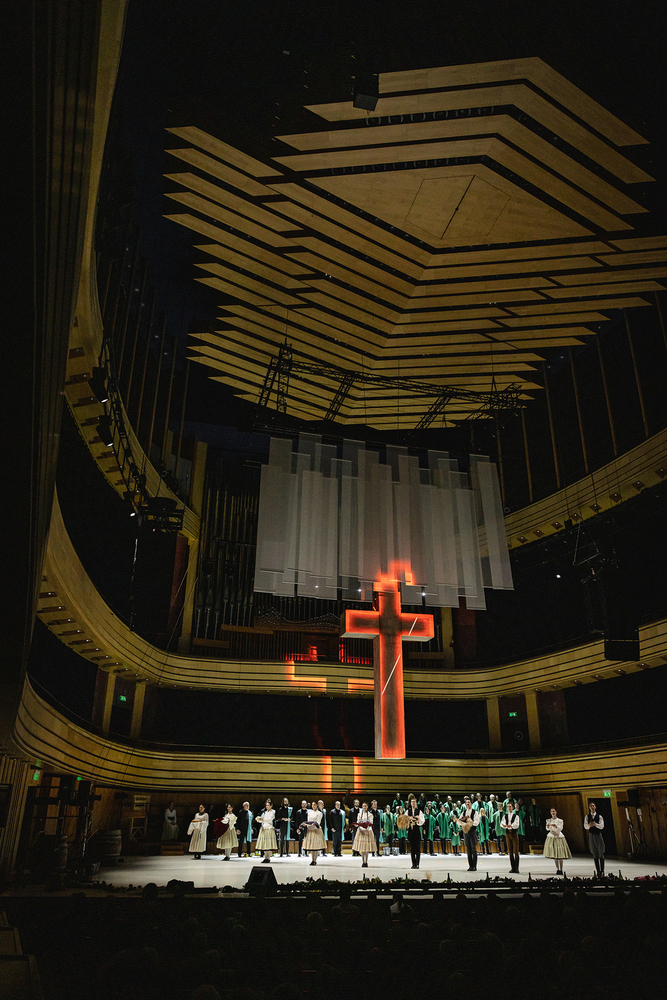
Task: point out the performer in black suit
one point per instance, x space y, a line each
337 828
283 817
300 817
352 819
377 824
594 824
415 830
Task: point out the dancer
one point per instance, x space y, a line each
197 829
469 821
510 824
314 838
594 823
364 839
266 841
283 817
500 832
416 818
402 824
300 820
556 846
229 838
244 829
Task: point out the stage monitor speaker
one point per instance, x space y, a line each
633 797
262 881
621 649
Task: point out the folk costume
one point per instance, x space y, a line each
483 827
416 817
314 838
500 830
455 831
510 823
266 840
170 825
594 823
197 829
401 832
364 839
556 846
429 828
442 829
470 817
244 831
388 828
228 838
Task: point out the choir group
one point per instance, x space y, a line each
419 825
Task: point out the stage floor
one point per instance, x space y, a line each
212 870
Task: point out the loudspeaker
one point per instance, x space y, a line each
633 797
262 881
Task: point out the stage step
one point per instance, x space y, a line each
172 849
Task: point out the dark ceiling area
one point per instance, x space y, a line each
245 72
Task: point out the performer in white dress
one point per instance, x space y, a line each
314 839
556 846
197 829
170 825
266 840
229 838
364 839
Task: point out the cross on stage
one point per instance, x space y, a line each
389 627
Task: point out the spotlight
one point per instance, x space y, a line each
97 383
558 576
105 432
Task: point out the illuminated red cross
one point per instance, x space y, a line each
389 628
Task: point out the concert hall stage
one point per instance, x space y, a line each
212 870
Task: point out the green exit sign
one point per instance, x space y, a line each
122 697
513 715
607 793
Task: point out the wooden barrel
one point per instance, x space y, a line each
109 844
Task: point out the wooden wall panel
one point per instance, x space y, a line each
40 730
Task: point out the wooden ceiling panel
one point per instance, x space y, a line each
223 151
449 272
575 134
575 317
592 290
609 276
549 308
232 219
223 173
334 150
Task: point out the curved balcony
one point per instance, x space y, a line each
99 634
